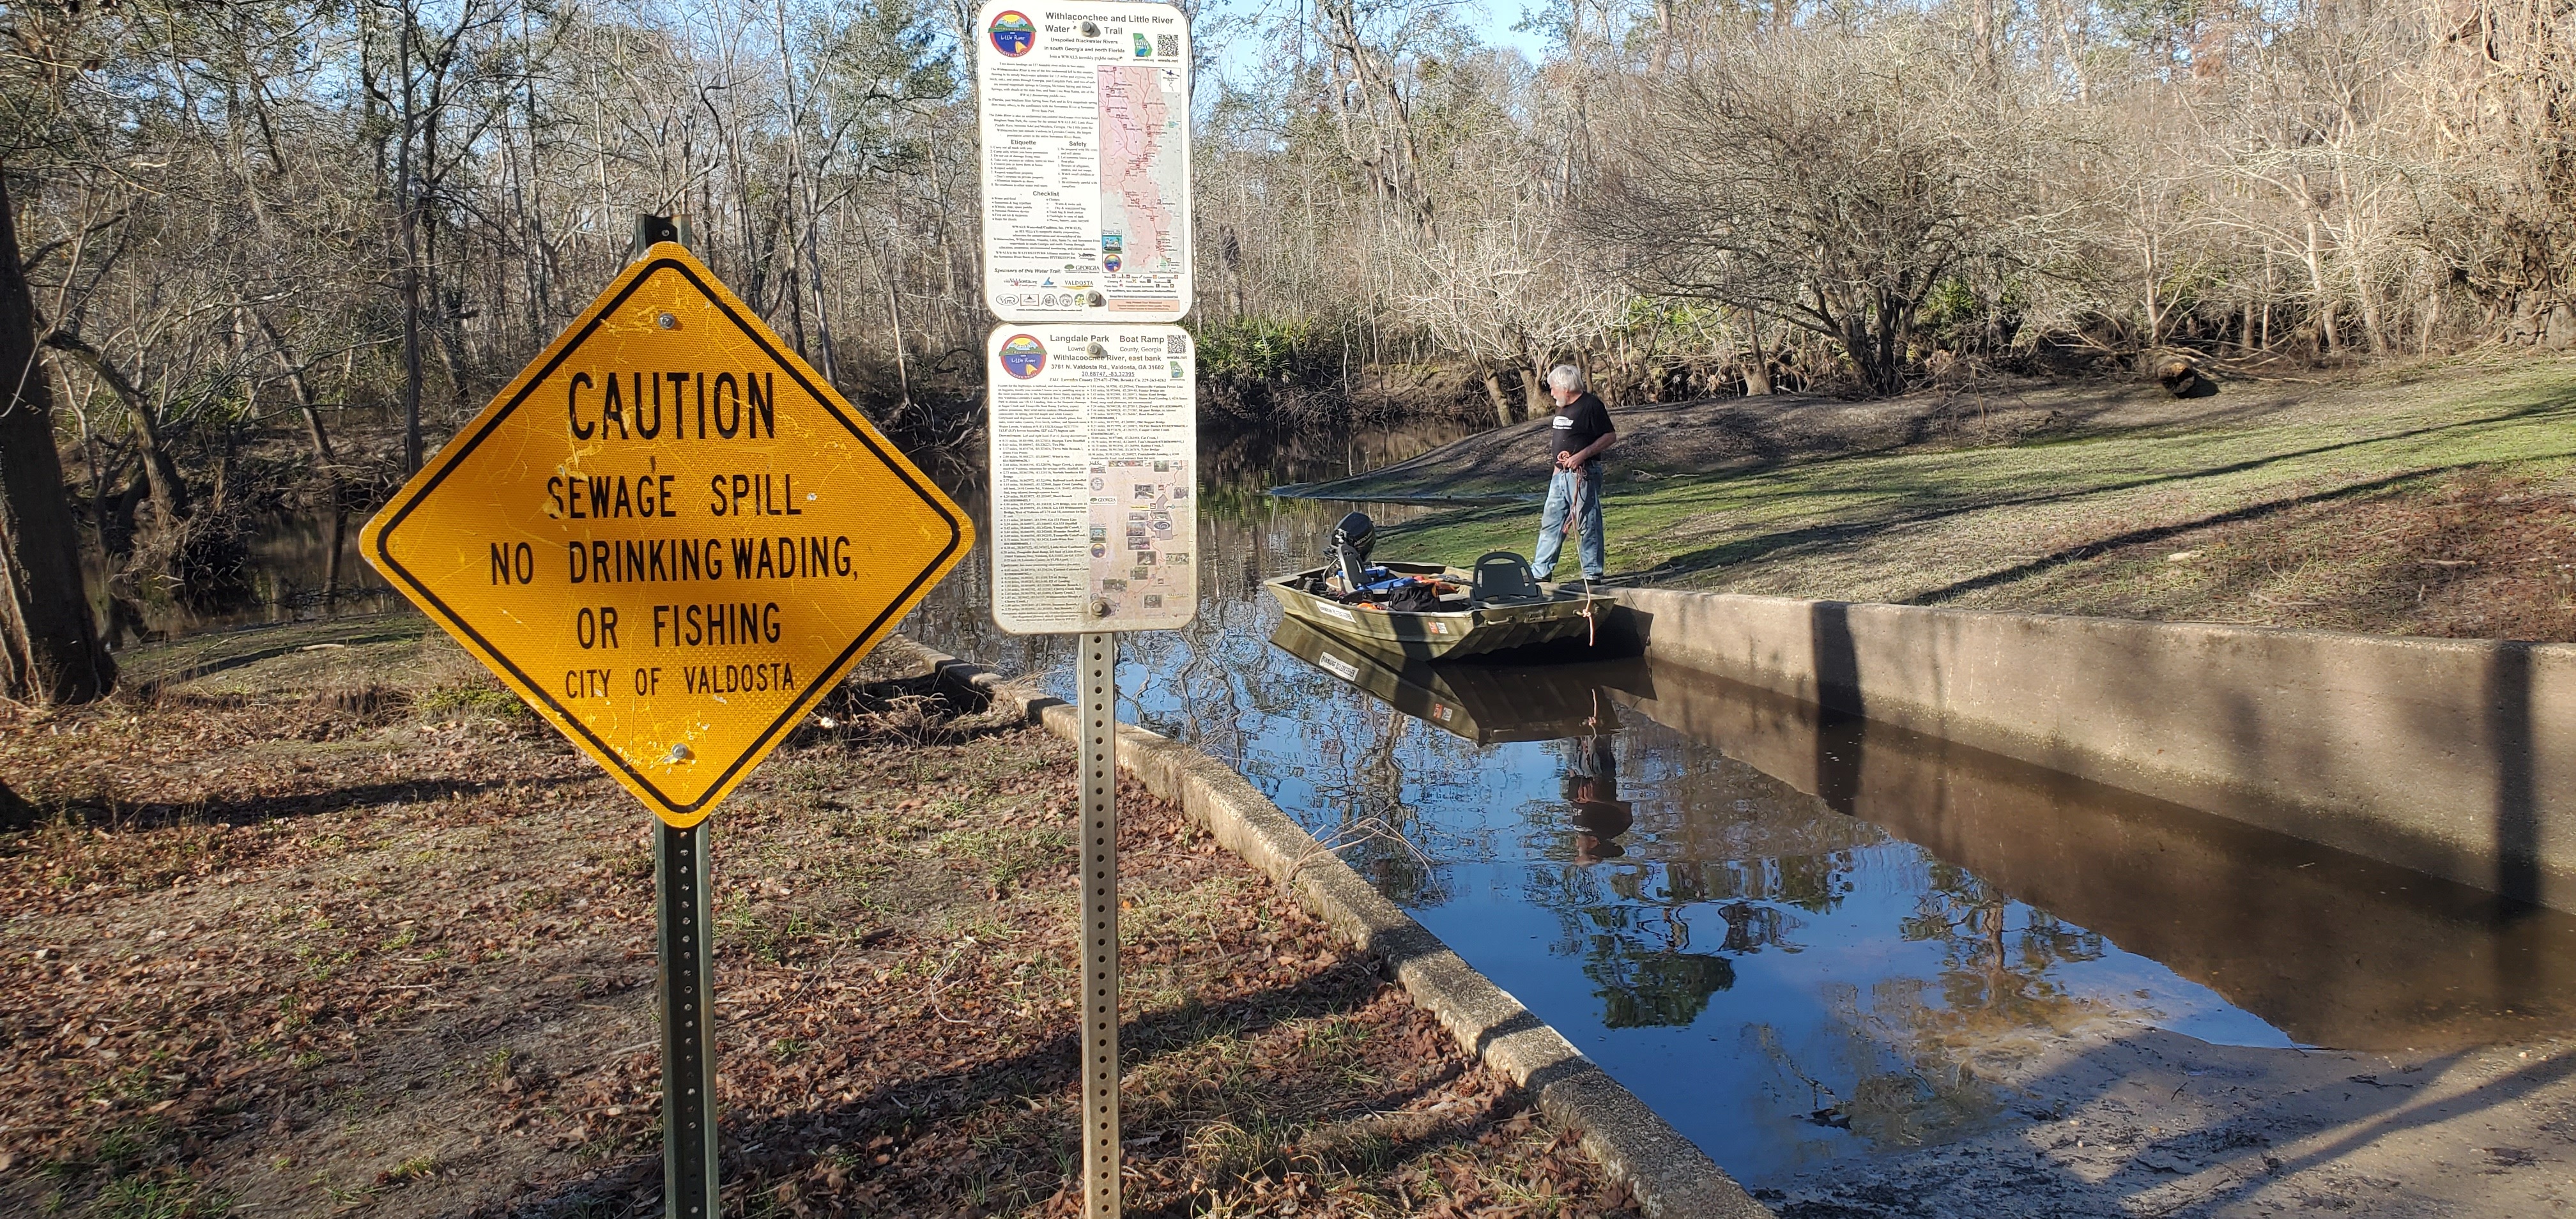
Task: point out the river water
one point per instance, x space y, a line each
1791 933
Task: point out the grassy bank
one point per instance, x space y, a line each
2434 501
326 923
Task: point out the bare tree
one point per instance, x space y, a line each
1831 181
49 646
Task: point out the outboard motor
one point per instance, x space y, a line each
1352 541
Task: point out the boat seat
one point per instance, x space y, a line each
1503 576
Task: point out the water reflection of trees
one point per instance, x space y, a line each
1899 1044
1996 959
1630 922
1732 864
1632 928
1648 975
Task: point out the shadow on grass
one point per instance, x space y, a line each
2134 537
1952 504
1757 423
1945 504
758 1155
195 670
122 817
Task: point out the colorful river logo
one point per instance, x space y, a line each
1012 34
1023 356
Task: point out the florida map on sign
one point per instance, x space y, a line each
1094 435
669 535
1085 113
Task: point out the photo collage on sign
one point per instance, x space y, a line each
1141 539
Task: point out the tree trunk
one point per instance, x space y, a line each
447 327
1757 367
326 466
1493 376
2263 329
1757 374
1535 404
2370 322
2324 317
160 473
405 219
49 645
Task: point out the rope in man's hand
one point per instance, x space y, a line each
1591 626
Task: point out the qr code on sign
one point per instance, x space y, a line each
1178 345
1167 45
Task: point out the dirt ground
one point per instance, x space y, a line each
2478 555
325 923
2126 1121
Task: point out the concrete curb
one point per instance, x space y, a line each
1669 1175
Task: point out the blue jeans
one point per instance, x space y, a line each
1551 525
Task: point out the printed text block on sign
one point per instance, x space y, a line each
1094 434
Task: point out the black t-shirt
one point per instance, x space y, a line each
1581 422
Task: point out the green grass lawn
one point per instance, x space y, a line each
1967 525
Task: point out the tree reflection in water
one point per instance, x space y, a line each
1889 1060
1997 956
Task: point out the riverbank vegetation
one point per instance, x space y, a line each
273 253
317 919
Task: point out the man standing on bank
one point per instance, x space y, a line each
1583 431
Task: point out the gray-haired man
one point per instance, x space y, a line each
1582 432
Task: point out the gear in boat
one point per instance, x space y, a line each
1351 580
1430 610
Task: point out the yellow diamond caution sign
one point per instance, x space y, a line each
669 535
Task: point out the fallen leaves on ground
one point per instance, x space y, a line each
379 943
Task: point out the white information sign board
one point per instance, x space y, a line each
1086 123
1094 433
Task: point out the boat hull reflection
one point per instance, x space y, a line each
1488 704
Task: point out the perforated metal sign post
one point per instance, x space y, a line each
1085 113
1100 925
671 537
680 876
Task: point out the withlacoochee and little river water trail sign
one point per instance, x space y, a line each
1084 109
669 535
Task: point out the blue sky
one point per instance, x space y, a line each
1493 20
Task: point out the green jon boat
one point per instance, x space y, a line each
1492 614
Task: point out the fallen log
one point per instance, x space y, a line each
2181 377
